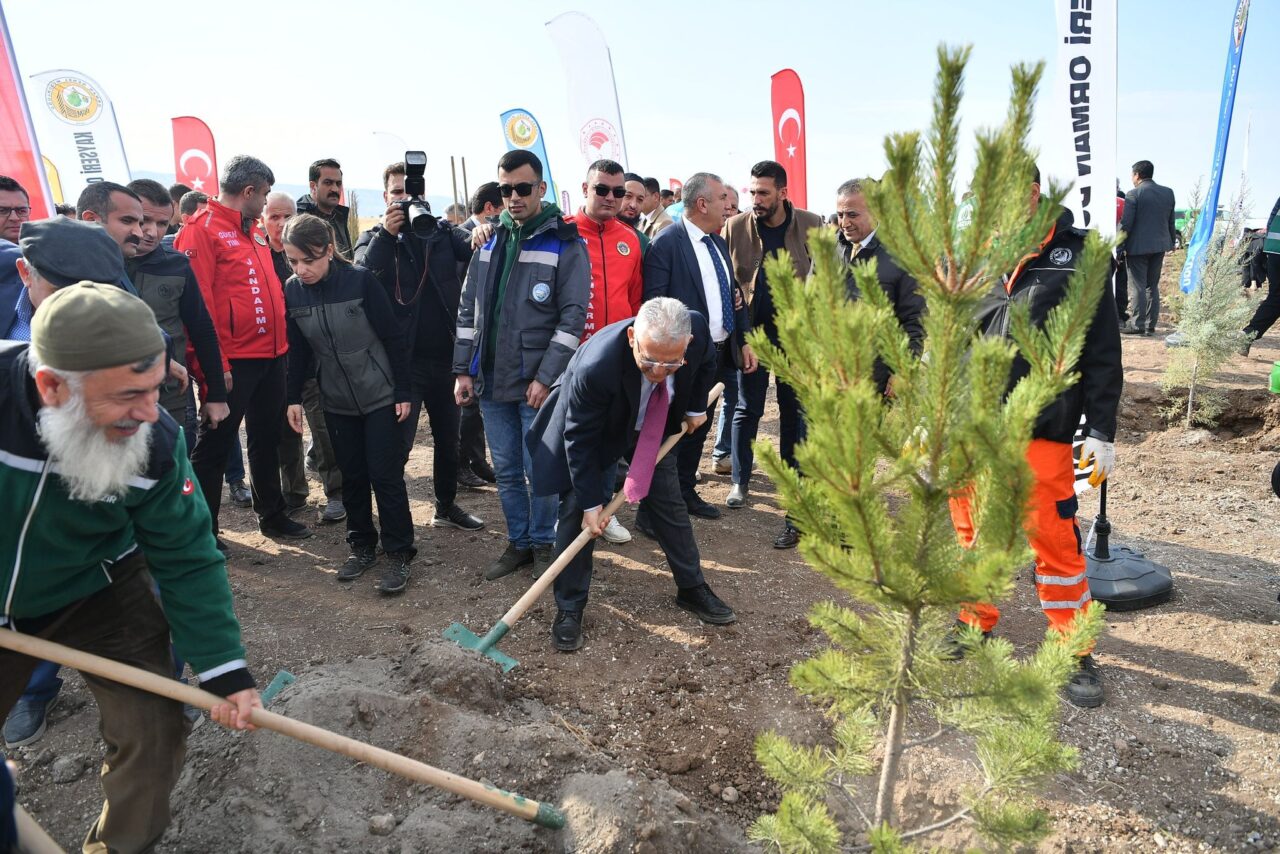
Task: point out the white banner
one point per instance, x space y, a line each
76 126
596 120
1082 147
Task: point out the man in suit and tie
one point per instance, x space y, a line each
630 386
1149 232
690 261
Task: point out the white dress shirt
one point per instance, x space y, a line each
710 281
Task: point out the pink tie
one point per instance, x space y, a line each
640 474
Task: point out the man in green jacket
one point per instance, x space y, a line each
92 476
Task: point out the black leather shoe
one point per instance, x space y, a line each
566 631
543 556
701 509
705 605
1084 689
240 494
484 471
788 539
509 561
469 479
1129 329
454 516
360 560
281 527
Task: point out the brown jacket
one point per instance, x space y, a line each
656 221
746 252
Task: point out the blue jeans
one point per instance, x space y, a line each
724 424
531 520
44 683
746 422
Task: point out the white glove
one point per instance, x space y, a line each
1103 455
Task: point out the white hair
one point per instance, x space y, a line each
277 196
663 320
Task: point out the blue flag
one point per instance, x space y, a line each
521 130
1209 210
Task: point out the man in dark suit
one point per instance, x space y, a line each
631 385
689 261
1150 232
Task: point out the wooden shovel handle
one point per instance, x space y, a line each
549 576
318 736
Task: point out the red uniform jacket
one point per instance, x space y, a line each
617 271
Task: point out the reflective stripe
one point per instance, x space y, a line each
1056 606
221 669
486 253
566 339
33 465
466 333
1059 580
537 256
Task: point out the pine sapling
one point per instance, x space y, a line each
871 494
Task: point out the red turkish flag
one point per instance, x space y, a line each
195 160
675 185
787 96
19 153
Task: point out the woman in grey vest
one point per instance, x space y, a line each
340 320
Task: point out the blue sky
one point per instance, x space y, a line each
306 80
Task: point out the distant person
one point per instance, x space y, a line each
474 470
731 208
668 198
176 192
1149 233
690 262
421 274
456 214
519 322
229 254
630 209
1269 309
191 203
1120 287
325 201
15 208
656 217
69 211
320 457
772 225
364 391
166 283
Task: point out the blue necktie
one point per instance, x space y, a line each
726 298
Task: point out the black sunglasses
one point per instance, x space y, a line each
524 188
605 189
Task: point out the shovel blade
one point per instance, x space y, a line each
468 639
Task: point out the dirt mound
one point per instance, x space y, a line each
266 793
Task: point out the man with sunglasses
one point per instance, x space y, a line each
520 320
617 277
633 384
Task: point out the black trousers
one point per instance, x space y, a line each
1122 290
670 520
1144 289
257 398
471 447
689 449
433 389
1269 309
368 448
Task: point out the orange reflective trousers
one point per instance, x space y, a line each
1054 535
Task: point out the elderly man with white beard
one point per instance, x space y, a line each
92 475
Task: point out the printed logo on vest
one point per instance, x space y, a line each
1060 256
260 240
541 292
623 248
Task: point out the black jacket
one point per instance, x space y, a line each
588 421
345 323
1041 283
337 219
427 308
903 293
165 282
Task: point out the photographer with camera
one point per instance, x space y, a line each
420 260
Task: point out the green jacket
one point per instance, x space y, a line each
55 551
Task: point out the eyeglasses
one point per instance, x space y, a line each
650 364
604 190
524 189
20 213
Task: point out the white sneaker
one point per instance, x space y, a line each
615 533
